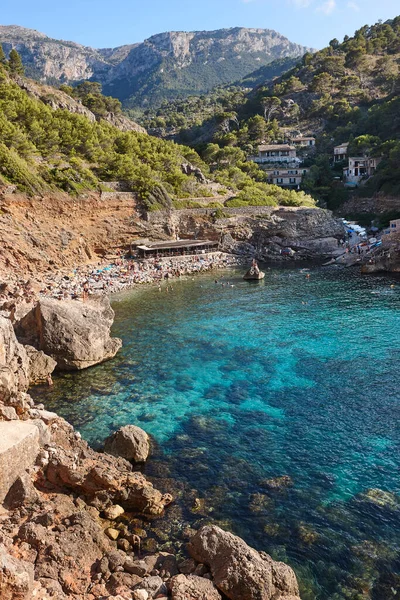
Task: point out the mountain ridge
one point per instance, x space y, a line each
165 65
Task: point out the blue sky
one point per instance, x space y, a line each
105 23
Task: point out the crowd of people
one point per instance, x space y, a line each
124 274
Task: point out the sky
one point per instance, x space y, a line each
111 23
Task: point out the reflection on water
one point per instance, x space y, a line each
275 405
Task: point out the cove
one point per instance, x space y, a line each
276 404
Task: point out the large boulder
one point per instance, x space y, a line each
40 365
14 363
240 572
75 334
16 577
129 442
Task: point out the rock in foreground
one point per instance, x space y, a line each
40 365
240 572
75 334
129 442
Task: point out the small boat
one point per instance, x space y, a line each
254 273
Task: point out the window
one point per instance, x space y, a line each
292 180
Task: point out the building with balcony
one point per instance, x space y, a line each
359 168
303 142
286 177
276 153
340 152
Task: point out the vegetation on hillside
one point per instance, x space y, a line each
42 149
348 91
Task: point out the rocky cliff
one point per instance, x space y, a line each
165 65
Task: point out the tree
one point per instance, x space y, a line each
322 83
270 105
3 60
15 63
387 70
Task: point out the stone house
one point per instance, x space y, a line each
340 152
360 168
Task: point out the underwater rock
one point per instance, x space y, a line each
277 483
75 334
380 499
239 571
129 442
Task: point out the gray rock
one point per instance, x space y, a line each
16 577
14 364
40 365
129 442
8 413
21 493
240 572
19 447
75 334
154 585
184 587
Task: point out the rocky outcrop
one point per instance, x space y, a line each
123 123
40 365
129 442
19 447
240 572
75 334
14 363
59 100
189 169
54 98
102 479
16 577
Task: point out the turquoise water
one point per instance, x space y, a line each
292 376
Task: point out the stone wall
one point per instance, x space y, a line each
162 216
118 196
116 186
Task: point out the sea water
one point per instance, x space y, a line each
242 383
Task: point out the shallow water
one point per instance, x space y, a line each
290 376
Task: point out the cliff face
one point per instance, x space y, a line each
162 66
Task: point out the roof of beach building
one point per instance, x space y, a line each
276 147
176 244
301 138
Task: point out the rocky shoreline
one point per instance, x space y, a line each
69 514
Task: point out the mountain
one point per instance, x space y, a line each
164 66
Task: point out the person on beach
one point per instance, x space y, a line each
85 293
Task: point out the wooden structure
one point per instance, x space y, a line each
176 248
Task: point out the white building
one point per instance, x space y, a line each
276 153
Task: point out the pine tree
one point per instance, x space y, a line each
15 63
3 60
